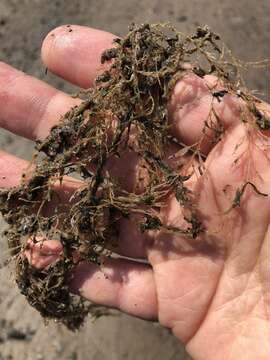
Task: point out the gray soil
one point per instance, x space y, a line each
244 26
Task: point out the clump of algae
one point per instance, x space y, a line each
126 111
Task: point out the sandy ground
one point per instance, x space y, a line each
244 26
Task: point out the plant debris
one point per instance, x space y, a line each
126 111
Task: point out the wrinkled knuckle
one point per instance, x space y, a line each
8 77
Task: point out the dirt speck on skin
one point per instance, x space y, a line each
23 25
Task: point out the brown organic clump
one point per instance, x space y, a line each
125 111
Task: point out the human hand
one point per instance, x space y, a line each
213 296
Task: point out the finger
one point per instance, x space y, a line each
118 283
11 169
192 104
35 107
73 52
28 106
41 253
130 243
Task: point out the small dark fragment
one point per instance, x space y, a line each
108 55
220 94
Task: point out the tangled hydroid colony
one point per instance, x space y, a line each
125 112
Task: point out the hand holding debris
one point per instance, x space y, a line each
163 159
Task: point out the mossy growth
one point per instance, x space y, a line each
126 111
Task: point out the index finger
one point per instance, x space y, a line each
73 52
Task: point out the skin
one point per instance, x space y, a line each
214 293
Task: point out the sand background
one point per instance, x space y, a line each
244 26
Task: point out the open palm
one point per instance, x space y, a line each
213 294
